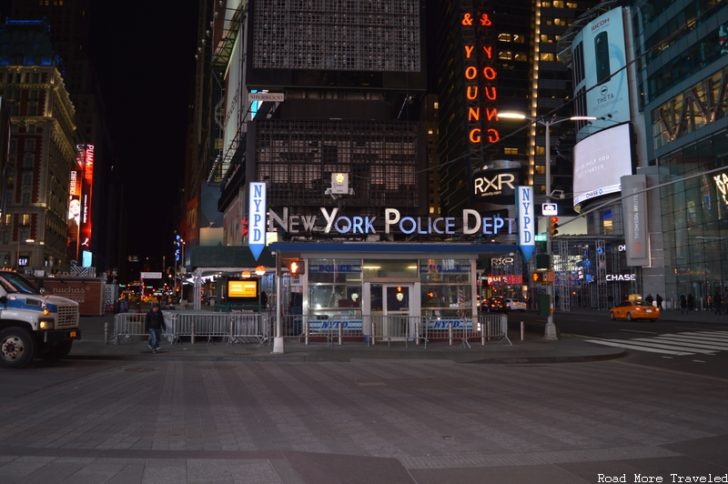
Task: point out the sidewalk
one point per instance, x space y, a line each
532 350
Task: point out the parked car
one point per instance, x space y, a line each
515 304
494 305
632 310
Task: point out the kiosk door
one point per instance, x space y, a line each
396 302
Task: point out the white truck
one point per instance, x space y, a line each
33 323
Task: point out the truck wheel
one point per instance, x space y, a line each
58 350
16 347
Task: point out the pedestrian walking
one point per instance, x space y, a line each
658 300
691 302
683 304
154 324
649 299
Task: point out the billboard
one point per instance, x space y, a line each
74 210
87 181
604 70
600 161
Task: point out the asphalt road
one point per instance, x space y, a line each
204 420
696 343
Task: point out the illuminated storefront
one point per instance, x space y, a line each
357 283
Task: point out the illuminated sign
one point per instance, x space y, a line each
480 75
247 289
621 277
256 218
526 221
721 182
495 185
86 191
471 223
79 202
508 279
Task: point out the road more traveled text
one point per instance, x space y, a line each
671 478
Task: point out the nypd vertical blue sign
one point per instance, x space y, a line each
526 222
256 218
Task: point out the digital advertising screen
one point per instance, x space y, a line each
243 289
604 68
600 161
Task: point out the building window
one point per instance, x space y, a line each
547 56
509 150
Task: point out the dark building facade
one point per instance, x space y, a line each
684 74
71 23
353 80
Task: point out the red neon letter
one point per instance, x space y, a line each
474 114
485 21
488 49
489 73
467 20
493 135
469 50
470 73
491 113
471 93
474 135
490 92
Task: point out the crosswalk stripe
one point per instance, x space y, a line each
716 333
624 344
721 337
707 339
694 342
654 343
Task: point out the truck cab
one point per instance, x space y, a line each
33 323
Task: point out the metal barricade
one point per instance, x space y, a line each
450 331
493 327
332 331
128 326
393 328
249 328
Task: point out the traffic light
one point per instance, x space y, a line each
295 267
537 276
554 226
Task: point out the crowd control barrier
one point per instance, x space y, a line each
196 325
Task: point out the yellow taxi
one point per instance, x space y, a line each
632 310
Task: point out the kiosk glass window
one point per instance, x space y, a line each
335 288
446 287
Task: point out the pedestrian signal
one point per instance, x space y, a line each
295 267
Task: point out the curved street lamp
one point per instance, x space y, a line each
546 122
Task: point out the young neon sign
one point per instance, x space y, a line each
481 93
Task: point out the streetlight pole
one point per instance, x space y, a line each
550 329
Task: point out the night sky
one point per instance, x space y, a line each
144 54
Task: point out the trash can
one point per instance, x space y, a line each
543 305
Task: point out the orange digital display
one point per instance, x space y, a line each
243 289
480 74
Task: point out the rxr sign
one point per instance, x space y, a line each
485 186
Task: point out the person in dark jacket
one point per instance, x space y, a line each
154 324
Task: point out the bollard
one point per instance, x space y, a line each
232 337
341 334
449 333
106 332
482 333
192 333
372 338
522 331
